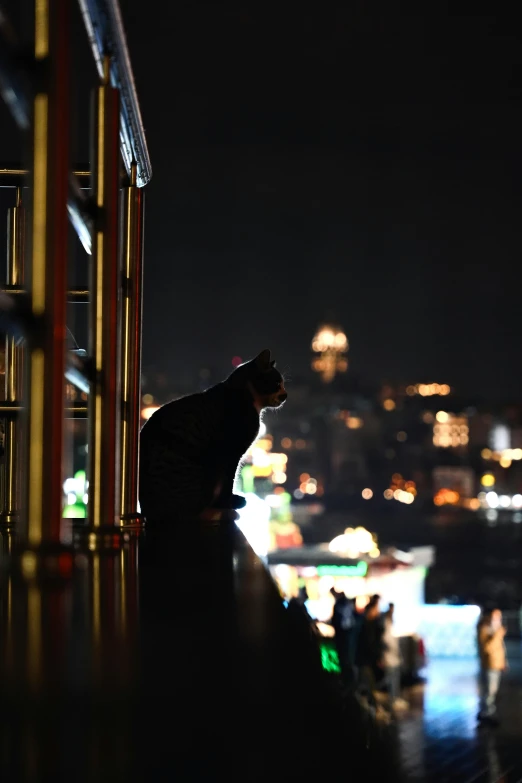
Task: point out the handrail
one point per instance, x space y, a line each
17 321
106 34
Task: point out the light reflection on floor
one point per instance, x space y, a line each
439 735
451 690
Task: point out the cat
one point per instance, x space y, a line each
190 448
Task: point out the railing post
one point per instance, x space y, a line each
132 303
47 278
13 369
103 456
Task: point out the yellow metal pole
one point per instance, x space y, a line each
103 331
132 284
13 369
47 278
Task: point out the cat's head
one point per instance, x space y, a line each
263 379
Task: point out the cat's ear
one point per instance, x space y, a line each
272 363
263 359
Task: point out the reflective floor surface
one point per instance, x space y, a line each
440 739
172 657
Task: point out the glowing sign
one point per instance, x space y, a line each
360 569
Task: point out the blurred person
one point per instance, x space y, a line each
392 660
369 650
493 661
343 622
298 602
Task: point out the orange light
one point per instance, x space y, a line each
146 413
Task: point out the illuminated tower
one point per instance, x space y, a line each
330 346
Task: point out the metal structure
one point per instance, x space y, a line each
105 207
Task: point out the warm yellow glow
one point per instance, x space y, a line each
262 471
29 563
36 446
331 344
403 496
261 458
329 337
304 477
354 542
388 405
354 422
474 504
429 389
367 493
450 430
279 477
286 443
388 494
486 453
506 456
146 413
487 480
446 497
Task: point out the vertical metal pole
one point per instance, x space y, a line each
103 331
132 284
13 369
48 273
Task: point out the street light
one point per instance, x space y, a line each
330 344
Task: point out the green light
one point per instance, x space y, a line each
286 498
360 569
247 479
329 658
75 511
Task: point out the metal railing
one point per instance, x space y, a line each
106 213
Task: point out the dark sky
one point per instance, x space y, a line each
352 160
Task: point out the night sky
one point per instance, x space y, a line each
352 162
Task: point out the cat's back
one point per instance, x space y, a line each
185 416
